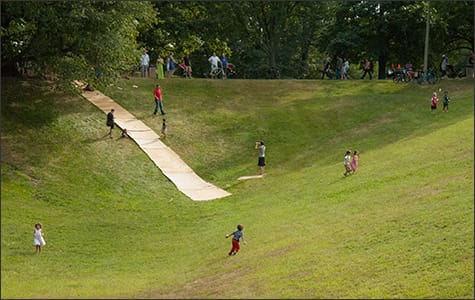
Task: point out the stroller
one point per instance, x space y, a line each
230 70
182 67
221 73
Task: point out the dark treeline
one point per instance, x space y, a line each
281 39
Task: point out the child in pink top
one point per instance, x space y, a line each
354 162
434 101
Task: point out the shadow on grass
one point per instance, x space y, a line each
32 107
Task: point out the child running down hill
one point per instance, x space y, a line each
38 239
237 236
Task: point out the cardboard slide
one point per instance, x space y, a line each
250 177
171 165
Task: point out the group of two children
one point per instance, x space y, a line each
38 239
351 165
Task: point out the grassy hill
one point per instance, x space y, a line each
115 227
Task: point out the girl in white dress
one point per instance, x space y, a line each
38 239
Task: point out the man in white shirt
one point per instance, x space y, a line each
145 59
214 61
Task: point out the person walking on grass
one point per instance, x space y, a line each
354 161
262 159
446 102
110 121
433 102
237 237
347 163
157 94
38 237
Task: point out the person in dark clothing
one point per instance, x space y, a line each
327 68
110 121
367 69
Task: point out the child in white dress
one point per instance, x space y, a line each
347 163
38 239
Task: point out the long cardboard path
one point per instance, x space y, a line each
171 165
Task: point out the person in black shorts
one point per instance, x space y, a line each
262 159
187 62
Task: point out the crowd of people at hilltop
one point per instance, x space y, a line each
337 67
166 67
341 68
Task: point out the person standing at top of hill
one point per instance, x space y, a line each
224 63
110 121
327 65
157 94
170 65
262 156
433 102
160 64
367 69
443 65
338 67
214 61
187 62
145 60
347 163
237 237
224 60
38 237
345 71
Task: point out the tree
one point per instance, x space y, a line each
387 31
91 41
452 29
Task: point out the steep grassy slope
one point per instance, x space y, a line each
115 227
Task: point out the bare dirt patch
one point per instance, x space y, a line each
215 286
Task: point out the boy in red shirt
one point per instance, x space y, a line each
157 93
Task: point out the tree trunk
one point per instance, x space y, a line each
382 66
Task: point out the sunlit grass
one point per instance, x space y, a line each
116 227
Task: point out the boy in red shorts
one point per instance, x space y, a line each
237 236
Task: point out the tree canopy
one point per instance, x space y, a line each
96 41
73 39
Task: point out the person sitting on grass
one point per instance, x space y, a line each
124 133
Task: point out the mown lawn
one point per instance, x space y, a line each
116 227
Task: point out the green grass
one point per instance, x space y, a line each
115 227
